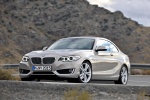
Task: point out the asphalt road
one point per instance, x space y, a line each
139 80
134 80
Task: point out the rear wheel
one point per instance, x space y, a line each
123 78
85 72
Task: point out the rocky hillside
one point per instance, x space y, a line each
27 25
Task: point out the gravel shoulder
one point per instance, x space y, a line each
15 90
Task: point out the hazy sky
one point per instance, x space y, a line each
138 10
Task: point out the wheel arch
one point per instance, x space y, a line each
86 60
126 67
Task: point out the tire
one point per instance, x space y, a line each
85 72
27 79
123 76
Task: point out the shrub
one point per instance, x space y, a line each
7 75
105 20
140 72
77 95
105 28
143 96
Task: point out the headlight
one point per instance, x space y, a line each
25 58
69 58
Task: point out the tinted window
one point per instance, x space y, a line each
109 46
113 48
73 43
103 43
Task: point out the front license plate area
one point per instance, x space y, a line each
41 68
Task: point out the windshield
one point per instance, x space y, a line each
73 43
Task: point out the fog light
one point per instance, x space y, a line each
23 71
66 71
71 71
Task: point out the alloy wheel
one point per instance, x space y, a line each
85 73
124 75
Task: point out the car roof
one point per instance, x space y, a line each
91 37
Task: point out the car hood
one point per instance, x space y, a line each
54 53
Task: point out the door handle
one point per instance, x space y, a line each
111 54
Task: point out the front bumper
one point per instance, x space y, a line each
59 69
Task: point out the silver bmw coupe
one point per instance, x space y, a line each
77 59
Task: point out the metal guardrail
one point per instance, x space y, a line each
133 66
140 66
9 66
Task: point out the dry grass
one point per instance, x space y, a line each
143 96
77 95
140 72
7 75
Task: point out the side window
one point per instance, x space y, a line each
103 43
113 47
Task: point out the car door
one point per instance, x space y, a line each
104 63
117 57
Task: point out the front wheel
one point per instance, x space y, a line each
123 78
85 72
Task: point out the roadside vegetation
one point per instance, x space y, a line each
140 72
143 96
75 94
7 74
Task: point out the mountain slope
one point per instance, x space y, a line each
27 25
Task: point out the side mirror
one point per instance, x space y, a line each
44 48
100 48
